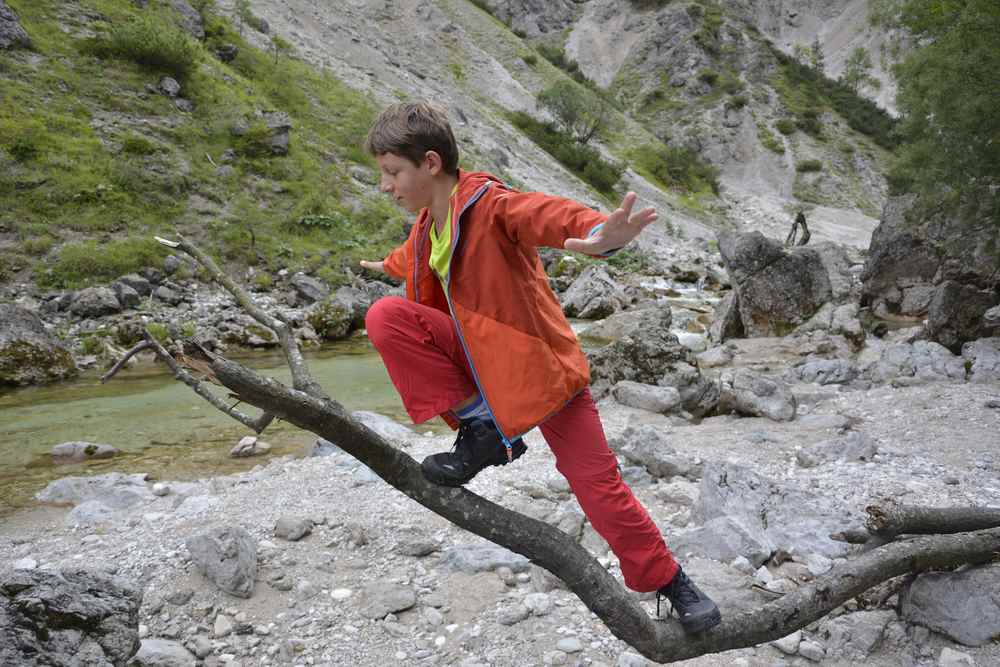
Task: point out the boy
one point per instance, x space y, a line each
482 341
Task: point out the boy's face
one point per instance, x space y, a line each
409 184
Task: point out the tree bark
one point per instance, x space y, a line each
890 519
308 407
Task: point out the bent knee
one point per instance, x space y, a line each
382 312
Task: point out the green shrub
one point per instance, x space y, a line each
768 140
138 144
808 121
736 102
23 148
38 245
804 166
708 76
159 331
530 58
785 126
151 42
79 264
676 167
584 161
263 282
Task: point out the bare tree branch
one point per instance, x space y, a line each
301 377
143 345
890 519
258 424
309 408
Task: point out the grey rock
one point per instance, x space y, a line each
187 106
983 358
949 657
172 264
646 396
962 605
12 35
727 323
777 289
167 295
162 653
649 446
855 636
292 529
386 427
136 282
227 557
473 558
68 617
827 371
334 317
781 515
95 302
309 289
227 52
382 598
917 363
249 445
991 317
190 18
170 88
417 547
28 353
811 650
723 539
850 448
569 645
714 357
179 597
82 451
956 313
115 489
90 513
201 646
755 395
653 355
127 296
513 614
593 295
539 604
789 645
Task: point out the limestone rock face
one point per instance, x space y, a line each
941 266
12 35
961 605
28 353
71 617
777 290
593 295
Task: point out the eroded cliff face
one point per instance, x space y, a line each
700 75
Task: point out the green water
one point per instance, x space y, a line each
161 426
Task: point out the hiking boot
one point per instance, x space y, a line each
477 446
696 610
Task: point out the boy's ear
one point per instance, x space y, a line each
434 162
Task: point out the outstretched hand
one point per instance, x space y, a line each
378 267
621 227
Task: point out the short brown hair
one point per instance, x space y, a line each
410 129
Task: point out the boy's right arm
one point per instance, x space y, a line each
394 264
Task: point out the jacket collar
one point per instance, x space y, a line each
469 184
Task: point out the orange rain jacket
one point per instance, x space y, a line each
525 358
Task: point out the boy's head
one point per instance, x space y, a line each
411 130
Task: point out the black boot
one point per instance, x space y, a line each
478 445
696 610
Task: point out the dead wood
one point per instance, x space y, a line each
307 406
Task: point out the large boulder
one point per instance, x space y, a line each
915 252
309 289
95 302
962 605
754 395
983 359
778 289
227 557
651 354
593 295
28 353
922 361
73 617
12 35
337 315
777 516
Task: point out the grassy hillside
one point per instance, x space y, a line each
96 159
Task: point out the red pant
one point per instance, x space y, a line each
425 360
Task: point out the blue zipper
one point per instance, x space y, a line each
447 295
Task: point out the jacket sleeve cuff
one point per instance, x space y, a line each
607 254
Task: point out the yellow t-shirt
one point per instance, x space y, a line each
441 245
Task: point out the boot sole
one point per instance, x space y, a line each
696 624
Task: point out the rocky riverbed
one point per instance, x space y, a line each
351 572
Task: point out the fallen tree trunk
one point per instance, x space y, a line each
890 519
308 407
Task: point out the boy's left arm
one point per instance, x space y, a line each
541 220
